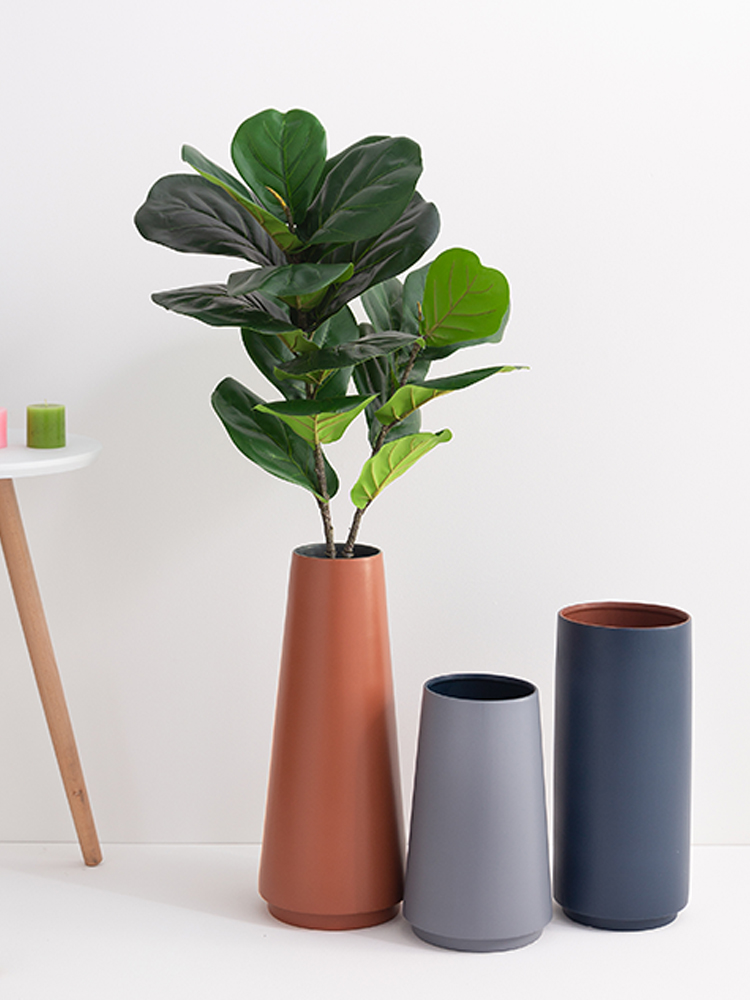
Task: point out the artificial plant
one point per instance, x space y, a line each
322 232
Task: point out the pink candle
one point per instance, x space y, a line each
3 428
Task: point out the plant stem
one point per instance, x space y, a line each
348 551
324 504
410 364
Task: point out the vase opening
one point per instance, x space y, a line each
318 551
480 687
620 614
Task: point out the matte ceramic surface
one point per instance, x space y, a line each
622 764
332 853
17 461
478 870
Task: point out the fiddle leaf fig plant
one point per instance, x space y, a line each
320 232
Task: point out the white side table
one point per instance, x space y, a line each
17 461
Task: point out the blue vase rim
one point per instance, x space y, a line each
480 687
624 615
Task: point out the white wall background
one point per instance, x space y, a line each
598 153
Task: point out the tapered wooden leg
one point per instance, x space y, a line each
34 624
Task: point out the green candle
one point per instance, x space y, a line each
45 425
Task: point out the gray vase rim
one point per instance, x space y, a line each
480 687
317 550
624 615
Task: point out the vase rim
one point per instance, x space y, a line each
624 615
317 550
480 687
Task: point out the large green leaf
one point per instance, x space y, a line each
411 396
275 228
377 377
341 328
299 285
315 420
192 215
364 193
438 353
266 440
215 174
214 305
267 353
392 461
413 296
388 254
346 355
274 224
285 153
338 157
463 300
384 304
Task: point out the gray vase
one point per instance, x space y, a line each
477 874
622 764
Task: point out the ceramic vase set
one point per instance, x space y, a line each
477 873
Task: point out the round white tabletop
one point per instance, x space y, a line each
17 460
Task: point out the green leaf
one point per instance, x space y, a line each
431 354
411 396
462 299
266 354
384 304
413 298
391 462
218 175
277 230
364 193
285 153
192 215
212 304
374 376
299 285
381 376
266 440
345 355
315 378
385 256
274 224
335 160
317 420
388 254
341 328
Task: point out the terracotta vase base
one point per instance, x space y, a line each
333 921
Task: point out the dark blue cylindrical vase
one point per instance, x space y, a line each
622 764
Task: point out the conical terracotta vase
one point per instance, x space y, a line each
332 855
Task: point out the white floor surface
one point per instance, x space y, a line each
186 923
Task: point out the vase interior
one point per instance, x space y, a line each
317 550
480 687
619 614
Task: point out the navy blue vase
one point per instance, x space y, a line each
622 764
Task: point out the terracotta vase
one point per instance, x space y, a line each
332 855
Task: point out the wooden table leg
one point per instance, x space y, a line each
34 624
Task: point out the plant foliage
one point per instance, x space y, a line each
321 231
